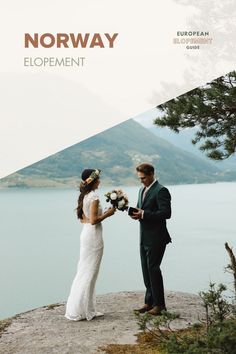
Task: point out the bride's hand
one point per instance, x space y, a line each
110 211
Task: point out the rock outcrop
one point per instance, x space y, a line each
46 331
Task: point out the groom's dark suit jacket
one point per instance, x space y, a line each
157 208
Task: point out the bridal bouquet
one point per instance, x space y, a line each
118 199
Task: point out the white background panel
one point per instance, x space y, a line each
44 110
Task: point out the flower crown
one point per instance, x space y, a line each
95 174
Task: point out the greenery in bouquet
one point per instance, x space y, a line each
118 199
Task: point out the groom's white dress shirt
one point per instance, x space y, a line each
145 192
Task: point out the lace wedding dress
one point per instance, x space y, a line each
81 301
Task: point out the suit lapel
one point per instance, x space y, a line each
140 197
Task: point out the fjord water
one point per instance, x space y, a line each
39 236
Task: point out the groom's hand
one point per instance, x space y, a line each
137 215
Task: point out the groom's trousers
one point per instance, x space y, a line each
151 257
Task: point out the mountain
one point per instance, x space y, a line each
117 151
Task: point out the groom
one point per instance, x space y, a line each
154 207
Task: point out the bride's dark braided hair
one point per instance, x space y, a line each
85 188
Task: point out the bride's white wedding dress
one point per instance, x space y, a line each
81 302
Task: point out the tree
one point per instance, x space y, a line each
212 108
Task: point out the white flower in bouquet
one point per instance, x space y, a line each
113 196
121 203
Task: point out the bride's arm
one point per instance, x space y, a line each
94 217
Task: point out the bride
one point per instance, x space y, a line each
81 301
